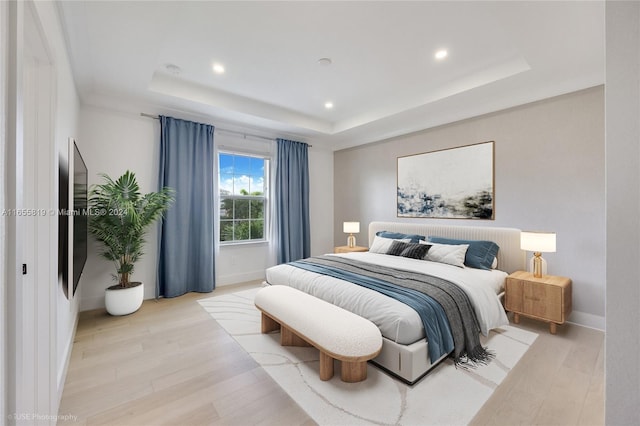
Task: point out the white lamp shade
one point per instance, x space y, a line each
544 242
351 227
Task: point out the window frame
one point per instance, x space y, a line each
264 197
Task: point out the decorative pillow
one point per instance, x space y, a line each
494 264
480 254
411 250
381 245
447 253
400 236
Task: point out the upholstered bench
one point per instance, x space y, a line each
305 320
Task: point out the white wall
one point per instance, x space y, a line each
549 175
114 141
622 346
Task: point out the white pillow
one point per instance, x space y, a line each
381 245
447 253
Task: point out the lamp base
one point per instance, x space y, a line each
537 265
351 241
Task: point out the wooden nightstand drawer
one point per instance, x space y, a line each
547 298
543 301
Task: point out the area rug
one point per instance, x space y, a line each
446 396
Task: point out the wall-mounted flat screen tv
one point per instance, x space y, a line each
63 224
80 215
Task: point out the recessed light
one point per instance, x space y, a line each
325 61
218 69
441 54
328 105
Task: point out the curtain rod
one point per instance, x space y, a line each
235 132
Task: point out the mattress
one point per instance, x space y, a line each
397 321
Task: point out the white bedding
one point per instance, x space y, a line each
397 321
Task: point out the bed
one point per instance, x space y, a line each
405 352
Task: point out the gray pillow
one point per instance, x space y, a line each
411 250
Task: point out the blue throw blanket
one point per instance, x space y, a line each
445 310
431 313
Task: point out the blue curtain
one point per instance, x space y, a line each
292 201
187 236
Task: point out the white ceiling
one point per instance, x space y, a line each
384 80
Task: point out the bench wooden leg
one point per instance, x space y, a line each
289 338
352 372
269 324
326 366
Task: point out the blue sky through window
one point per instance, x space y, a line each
239 172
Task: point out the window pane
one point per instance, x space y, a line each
257 176
242 209
226 184
257 185
242 165
242 230
257 229
226 164
257 209
257 166
226 230
226 208
241 185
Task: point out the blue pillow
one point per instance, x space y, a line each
400 236
480 254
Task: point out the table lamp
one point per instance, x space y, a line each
538 243
351 228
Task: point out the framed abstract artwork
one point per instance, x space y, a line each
455 183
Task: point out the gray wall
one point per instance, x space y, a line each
622 346
549 175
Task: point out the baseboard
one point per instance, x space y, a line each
588 320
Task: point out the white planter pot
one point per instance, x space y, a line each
124 301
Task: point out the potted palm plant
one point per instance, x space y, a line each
119 219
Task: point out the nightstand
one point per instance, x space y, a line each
347 249
547 298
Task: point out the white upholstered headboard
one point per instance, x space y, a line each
510 257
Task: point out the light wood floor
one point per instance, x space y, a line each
559 381
171 363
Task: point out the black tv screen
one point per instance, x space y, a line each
63 225
80 215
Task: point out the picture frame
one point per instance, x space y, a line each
453 183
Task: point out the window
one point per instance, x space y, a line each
242 186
